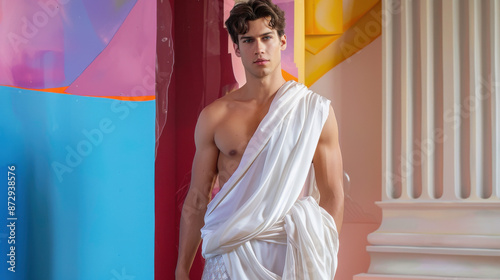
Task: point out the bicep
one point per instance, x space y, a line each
328 164
204 168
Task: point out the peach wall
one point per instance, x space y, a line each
355 88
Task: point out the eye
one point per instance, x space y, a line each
247 40
267 37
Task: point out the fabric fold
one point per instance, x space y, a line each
310 254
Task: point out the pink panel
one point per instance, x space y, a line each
30 51
112 75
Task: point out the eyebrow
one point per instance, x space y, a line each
261 35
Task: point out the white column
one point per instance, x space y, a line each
428 144
444 221
407 97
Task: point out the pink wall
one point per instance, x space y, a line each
355 88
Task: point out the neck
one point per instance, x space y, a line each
263 88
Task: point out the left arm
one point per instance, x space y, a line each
329 170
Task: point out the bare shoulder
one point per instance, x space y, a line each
216 110
212 115
219 109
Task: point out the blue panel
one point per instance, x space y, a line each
84 186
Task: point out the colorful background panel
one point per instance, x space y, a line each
49 43
84 165
334 30
126 67
84 185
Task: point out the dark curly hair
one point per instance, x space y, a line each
242 12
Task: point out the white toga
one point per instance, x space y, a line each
266 223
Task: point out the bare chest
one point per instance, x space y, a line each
235 131
232 136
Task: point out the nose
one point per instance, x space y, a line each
259 48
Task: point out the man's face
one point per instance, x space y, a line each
260 48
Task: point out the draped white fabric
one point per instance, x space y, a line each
260 204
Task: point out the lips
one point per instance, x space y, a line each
261 61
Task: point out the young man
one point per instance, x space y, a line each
262 141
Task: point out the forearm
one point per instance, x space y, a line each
192 220
334 205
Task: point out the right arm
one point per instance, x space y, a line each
204 172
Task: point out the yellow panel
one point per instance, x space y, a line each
299 42
363 32
323 17
316 43
355 9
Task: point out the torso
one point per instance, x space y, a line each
236 123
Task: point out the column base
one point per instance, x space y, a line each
438 262
368 276
426 240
